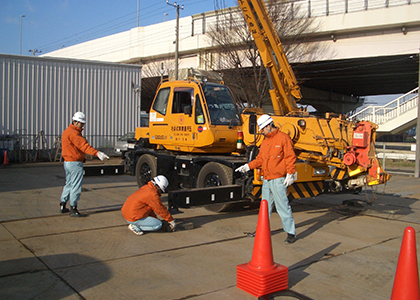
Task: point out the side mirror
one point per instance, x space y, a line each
252 126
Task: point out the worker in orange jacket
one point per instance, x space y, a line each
277 159
140 209
73 149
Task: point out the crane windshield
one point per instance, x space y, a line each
222 108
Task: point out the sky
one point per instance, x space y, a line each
49 25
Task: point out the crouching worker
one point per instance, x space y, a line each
140 209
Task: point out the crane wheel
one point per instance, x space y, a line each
145 169
215 174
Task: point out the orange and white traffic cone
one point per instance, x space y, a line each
406 282
262 276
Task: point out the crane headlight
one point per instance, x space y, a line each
302 123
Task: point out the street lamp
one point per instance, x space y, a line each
20 47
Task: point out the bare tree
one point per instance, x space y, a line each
151 74
157 68
237 55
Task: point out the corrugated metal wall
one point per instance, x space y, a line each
41 94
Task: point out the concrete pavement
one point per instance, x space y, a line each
342 252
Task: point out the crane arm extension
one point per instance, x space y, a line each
284 87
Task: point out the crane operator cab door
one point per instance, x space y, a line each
171 122
181 122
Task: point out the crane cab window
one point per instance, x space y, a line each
221 105
199 114
161 101
182 101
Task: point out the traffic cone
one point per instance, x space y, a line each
6 159
406 282
262 276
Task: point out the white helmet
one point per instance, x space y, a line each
263 121
161 182
79 117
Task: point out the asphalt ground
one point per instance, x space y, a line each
342 252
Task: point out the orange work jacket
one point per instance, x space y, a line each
74 145
276 156
143 203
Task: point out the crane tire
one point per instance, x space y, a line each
145 169
215 174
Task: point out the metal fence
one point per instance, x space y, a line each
43 147
395 108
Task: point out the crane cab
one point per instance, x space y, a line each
189 116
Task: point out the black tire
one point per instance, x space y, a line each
215 174
145 169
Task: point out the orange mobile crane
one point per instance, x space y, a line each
197 138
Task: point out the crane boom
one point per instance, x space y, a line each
284 89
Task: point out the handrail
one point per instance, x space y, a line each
382 114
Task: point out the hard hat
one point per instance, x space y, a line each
79 117
161 182
263 121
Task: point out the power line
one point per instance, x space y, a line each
98 31
92 34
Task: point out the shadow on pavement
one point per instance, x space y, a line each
33 278
329 208
298 268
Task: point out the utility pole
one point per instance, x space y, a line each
177 35
161 72
138 9
20 44
35 51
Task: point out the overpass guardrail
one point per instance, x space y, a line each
394 109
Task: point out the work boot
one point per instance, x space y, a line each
75 213
291 238
63 208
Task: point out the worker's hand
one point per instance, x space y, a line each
243 169
102 156
289 180
172 226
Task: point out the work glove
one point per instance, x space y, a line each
102 156
289 180
243 169
172 226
